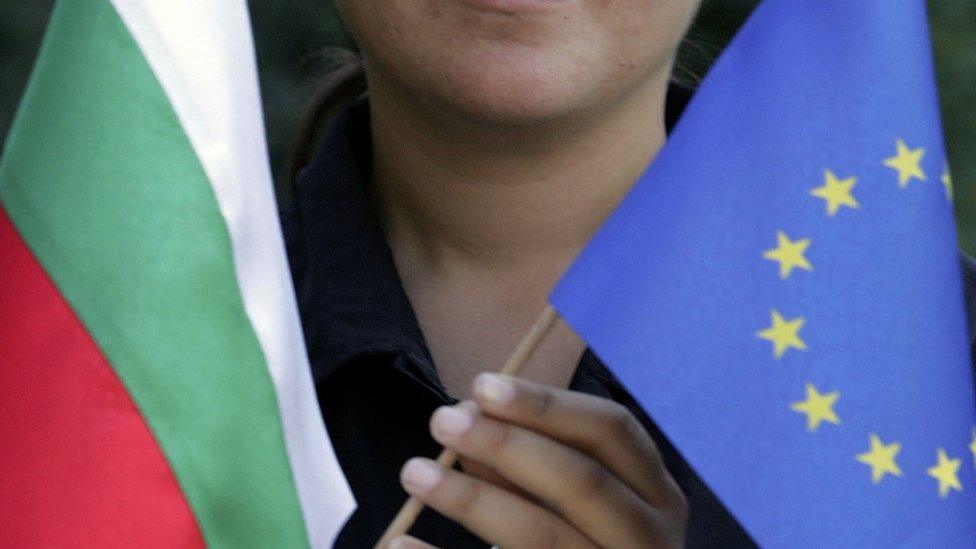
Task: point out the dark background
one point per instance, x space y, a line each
289 33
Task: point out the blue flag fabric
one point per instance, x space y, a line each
781 289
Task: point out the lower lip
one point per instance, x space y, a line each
513 6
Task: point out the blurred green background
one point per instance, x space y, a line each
289 33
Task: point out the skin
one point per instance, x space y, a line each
596 480
502 138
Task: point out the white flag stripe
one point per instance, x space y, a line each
202 54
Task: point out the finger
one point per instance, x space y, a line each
578 487
409 542
597 426
485 473
489 512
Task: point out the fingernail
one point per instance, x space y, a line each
420 475
453 421
494 388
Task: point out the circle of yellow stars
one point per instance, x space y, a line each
784 333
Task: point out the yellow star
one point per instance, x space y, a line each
818 407
972 447
784 334
789 254
881 458
947 183
837 192
908 164
946 472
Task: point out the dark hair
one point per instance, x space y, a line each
345 80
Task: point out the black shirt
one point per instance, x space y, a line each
376 381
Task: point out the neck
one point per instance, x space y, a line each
455 193
482 219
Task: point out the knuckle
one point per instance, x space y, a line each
621 424
552 534
592 477
676 521
496 437
540 403
463 500
682 509
547 536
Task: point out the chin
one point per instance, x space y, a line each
515 62
516 93
510 87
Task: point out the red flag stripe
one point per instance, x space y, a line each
80 465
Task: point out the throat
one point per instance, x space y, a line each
473 327
482 222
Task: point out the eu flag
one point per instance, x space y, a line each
781 291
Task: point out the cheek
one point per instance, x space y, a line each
644 35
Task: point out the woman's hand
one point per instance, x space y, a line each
577 470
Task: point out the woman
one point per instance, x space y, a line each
427 231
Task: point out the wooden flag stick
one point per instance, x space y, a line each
412 508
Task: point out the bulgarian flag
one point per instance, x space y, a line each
154 387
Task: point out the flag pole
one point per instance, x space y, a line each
412 508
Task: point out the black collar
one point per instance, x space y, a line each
348 275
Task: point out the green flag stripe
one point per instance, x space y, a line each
106 190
